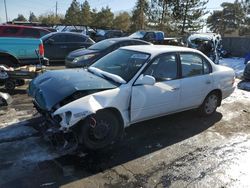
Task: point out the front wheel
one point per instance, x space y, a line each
100 130
210 104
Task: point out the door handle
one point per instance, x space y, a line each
63 46
208 82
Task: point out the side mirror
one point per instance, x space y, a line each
145 80
50 41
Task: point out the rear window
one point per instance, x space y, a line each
102 45
28 32
10 30
76 38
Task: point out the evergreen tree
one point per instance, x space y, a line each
188 14
122 21
231 17
85 17
51 19
73 13
104 18
139 15
20 17
32 17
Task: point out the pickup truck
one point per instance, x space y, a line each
15 52
157 37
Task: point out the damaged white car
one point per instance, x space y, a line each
91 107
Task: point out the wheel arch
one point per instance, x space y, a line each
8 55
219 93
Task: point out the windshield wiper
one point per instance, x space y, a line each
107 75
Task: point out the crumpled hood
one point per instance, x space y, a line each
81 52
52 87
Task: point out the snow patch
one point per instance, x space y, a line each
235 63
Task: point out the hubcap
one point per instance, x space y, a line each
100 131
211 104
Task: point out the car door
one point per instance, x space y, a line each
56 47
75 42
196 81
149 101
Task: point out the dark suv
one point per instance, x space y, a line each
22 31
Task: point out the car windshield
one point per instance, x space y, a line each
138 34
102 45
122 63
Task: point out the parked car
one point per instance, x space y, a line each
22 31
15 52
207 43
85 57
58 45
106 34
129 85
157 37
246 73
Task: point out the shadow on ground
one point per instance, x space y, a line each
141 139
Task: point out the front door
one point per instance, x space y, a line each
148 101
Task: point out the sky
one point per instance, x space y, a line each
15 7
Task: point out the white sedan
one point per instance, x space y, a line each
129 85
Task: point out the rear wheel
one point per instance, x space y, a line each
100 130
3 102
10 85
210 104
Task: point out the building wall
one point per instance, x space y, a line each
237 46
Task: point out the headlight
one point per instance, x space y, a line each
84 57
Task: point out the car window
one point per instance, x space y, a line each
59 38
163 68
28 32
76 38
150 36
124 63
193 65
10 30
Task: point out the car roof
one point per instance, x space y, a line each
120 39
23 26
158 49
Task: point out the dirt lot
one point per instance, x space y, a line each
181 150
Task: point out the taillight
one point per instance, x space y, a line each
41 50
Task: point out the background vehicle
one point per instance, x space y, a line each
128 85
157 37
59 44
22 31
15 52
246 73
85 57
208 43
106 34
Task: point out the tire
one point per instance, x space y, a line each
3 102
8 61
104 133
210 104
10 85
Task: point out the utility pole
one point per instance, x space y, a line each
56 8
6 11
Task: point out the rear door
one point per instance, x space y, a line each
75 42
196 81
148 101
